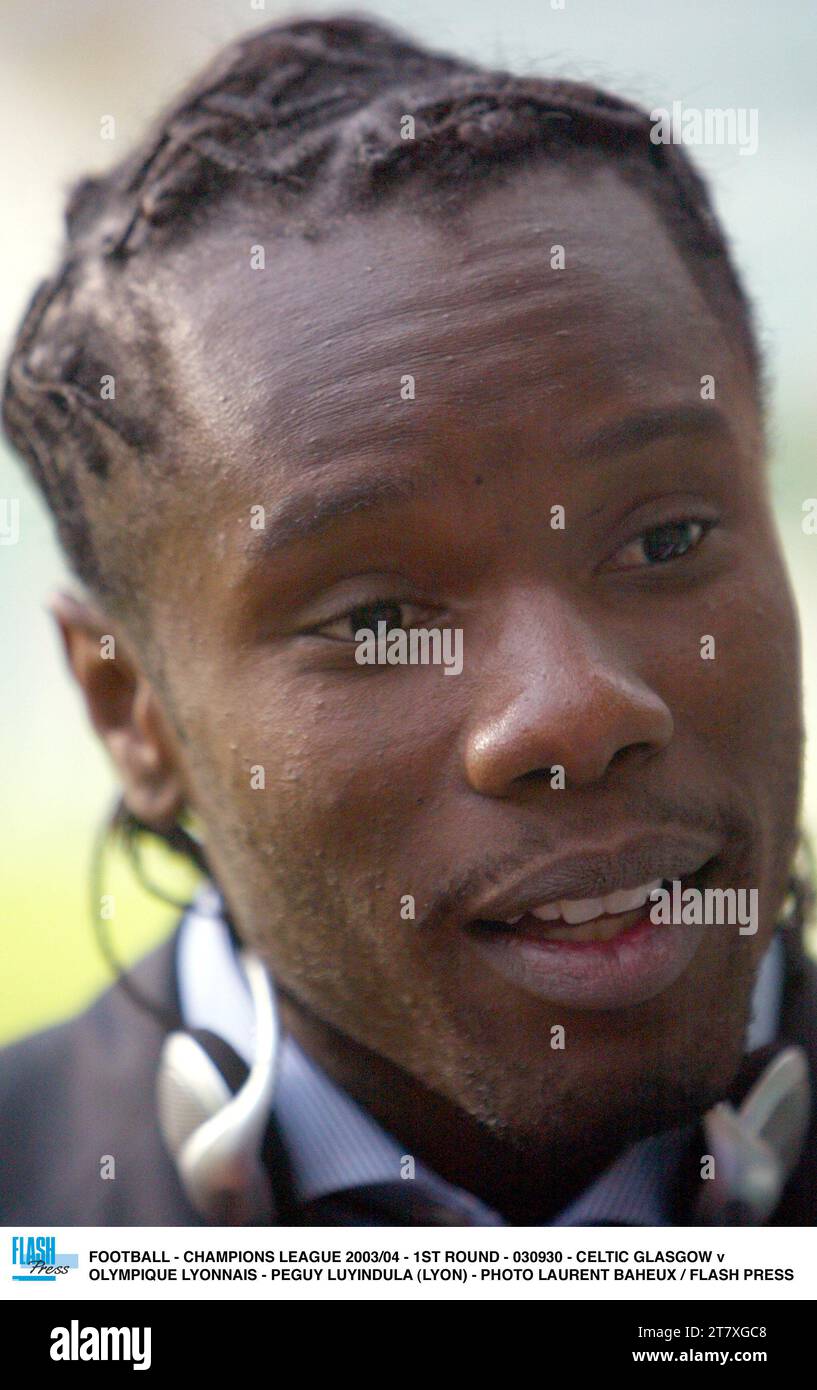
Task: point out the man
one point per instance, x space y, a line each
402 345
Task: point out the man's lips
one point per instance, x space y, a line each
594 874
612 960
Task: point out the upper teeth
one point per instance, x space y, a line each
575 910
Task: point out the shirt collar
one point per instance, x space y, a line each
333 1144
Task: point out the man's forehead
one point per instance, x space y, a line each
392 329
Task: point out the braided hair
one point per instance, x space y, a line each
308 116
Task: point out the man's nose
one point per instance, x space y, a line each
559 692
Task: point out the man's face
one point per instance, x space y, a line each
535 388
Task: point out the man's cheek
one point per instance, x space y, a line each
342 812
732 664
349 765
758 682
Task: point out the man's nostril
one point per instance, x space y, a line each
629 752
537 774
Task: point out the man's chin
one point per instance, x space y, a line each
611 1100
599 1121
618 1084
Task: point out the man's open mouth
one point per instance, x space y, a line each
582 919
578 921
599 949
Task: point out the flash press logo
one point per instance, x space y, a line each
34 1260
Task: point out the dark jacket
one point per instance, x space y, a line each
83 1091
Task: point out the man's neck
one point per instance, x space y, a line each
529 1186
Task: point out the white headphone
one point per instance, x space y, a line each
757 1145
213 1111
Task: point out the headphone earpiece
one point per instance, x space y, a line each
214 1111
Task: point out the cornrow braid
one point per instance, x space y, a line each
309 113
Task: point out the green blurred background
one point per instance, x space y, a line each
67 63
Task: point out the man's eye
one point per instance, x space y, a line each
660 544
393 612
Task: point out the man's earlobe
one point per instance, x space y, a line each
124 709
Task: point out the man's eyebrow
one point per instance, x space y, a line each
637 431
306 514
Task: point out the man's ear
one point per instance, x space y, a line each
124 709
